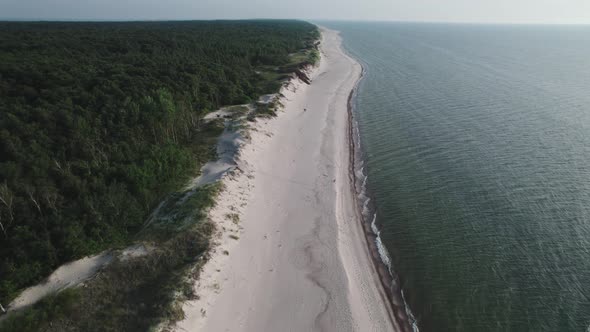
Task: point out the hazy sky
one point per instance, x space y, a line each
510 11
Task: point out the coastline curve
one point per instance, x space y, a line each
380 257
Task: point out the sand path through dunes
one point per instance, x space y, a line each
301 262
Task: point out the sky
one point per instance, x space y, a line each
473 11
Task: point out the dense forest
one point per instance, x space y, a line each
99 121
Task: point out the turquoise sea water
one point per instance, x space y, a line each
476 142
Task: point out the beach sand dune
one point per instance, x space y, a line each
294 257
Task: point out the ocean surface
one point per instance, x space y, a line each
476 141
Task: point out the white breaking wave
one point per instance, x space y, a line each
380 247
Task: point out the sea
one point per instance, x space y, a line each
475 142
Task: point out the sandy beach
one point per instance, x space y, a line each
291 254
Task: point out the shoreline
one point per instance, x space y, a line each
388 279
293 251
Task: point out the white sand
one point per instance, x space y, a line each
301 262
74 274
67 275
135 251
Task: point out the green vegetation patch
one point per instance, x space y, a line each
180 211
132 295
39 316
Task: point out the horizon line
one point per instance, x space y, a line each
122 20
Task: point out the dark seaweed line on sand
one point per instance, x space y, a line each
388 279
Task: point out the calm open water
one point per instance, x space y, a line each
477 148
